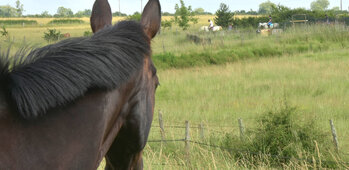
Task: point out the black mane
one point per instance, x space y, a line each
57 74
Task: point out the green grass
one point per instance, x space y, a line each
173 50
316 83
239 75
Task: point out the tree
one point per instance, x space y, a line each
8 11
319 5
64 12
118 14
266 7
52 35
224 16
19 8
84 13
45 14
167 14
199 11
336 8
135 17
184 15
166 24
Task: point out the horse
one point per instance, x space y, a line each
265 25
66 35
214 29
70 104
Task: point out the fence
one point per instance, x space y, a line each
200 127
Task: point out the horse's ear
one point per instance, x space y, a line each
151 18
101 15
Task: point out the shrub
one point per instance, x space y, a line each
88 33
135 17
52 35
166 24
281 139
4 32
18 22
66 21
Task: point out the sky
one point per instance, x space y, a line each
131 6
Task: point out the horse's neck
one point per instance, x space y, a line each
3 105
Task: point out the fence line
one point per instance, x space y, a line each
187 140
160 140
247 151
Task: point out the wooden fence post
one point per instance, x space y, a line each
162 130
334 135
187 141
201 131
187 136
242 129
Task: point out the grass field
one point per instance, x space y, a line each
246 76
316 83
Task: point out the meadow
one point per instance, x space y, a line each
239 74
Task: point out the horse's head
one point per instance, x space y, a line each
142 104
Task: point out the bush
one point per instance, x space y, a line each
18 22
283 15
4 32
66 21
249 22
52 35
135 17
88 33
166 24
281 138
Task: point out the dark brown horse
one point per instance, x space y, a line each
68 105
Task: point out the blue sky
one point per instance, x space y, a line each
131 6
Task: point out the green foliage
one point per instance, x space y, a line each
282 14
8 11
184 15
166 14
64 12
266 7
249 22
45 14
135 17
18 22
248 45
283 139
117 14
224 16
19 8
201 11
88 33
84 13
66 21
52 35
3 32
319 5
336 8
166 24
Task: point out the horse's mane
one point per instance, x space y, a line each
57 74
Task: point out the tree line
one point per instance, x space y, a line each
17 11
184 15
